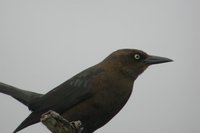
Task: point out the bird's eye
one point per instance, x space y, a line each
137 56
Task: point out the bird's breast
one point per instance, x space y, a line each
110 95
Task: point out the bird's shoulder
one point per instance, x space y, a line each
69 93
84 78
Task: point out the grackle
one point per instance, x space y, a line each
94 96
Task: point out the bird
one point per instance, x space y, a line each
93 96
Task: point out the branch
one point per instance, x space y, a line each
57 124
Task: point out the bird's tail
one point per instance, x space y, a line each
33 118
25 97
28 98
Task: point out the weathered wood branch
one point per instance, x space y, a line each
57 124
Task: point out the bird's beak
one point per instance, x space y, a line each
150 60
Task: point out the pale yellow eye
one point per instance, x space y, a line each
137 56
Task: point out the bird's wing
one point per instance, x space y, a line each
59 100
63 97
68 94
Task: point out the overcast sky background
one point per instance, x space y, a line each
45 42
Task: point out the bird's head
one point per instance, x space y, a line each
132 62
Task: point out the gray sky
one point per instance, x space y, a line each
45 42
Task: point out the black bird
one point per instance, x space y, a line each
94 96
